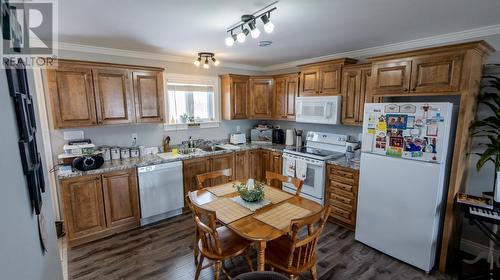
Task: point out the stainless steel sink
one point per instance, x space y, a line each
212 148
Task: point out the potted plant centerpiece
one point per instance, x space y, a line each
251 191
489 129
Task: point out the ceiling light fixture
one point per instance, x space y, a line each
197 62
206 56
251 21
268 25
243 35
254 31
230 39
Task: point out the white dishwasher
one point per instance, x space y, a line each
160 191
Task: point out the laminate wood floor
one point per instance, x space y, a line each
164 251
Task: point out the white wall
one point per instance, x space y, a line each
20 253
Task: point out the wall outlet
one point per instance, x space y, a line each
238 129
135 138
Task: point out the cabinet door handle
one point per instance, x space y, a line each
405 90
413 89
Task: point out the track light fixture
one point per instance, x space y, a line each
251 21
243 35
268 25
254 31
206 56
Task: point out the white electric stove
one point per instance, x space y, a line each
319 148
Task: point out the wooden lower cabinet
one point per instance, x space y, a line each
96 206
121 197
254 163
342 194
241 166
196 166
191 168
220 162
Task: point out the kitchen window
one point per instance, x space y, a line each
192 99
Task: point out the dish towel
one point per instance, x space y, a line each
290 167
301 169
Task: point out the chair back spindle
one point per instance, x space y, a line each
303 249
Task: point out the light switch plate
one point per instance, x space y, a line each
73 135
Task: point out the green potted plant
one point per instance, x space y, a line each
489 129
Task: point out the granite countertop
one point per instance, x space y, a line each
345 162
115 165
123 164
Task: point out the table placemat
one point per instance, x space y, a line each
275 195
227 211
252 206
281 215
222 190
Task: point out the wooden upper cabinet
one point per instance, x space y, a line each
309 78
366 76
261 92
285 91
121 197
292 91
355 83
330 79
149 93
391 76
279 98
323 78
113 94
91 94
425 72
436 73
83 205
351 87
72 96
234 101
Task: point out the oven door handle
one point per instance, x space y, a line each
308 161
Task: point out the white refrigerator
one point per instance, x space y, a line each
403 179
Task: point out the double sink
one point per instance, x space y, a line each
182 152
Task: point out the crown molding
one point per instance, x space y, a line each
442 39
143 55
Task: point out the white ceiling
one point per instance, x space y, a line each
303 29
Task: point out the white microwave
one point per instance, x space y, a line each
318 109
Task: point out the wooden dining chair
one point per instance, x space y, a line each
294 254
216 243
203 178
196 250
297 183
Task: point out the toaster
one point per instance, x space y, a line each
237 138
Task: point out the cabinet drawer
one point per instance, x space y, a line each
341 192
341 198
339 212
342 172
342 186
342 179
340 203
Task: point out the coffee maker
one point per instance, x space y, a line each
278 136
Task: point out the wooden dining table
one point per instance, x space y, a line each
250 227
